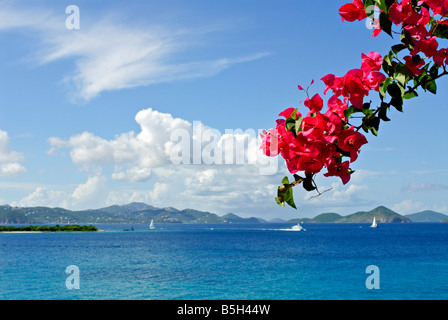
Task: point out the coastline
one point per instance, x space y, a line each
51 231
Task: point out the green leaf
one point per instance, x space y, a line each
289 198
384 85
290 124
385 23
394 90
369 7
431 87
434 71
308 184
406 38
397 103
401 78
398 47
410 94
285 180
374 124
382 114
297 126
382 5
294 113
350 110
389 58
280 201
367 112
441 31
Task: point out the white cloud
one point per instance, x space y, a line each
9 159
136 155
337 196
110 54
43 196
408 206
226 176
84 196
11 169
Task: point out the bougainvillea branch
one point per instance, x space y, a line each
329 139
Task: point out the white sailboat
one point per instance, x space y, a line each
374 224
151 225
298 227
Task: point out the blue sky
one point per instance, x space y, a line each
87 113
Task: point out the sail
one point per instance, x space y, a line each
374 225
151 225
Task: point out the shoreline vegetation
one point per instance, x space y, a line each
56 228
138 212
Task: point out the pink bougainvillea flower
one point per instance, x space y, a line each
353 11
310 164
288 113
371 62
404 13
375 79
315 104
351 141
355 87
427 46
336 105
438 6
417 32
330 81
340 170
414 67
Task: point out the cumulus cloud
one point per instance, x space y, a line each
163 141
84 196
338 194
110 54
133 155
408 206
9 159
191 164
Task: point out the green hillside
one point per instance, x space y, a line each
381 214
131 213
427 216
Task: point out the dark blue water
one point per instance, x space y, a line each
258 261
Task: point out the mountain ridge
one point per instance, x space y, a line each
427 216
139 212
381 214
135 212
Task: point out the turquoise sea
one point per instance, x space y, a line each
228 262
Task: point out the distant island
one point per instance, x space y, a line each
137 212
381 214
56 228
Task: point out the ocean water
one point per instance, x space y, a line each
229 261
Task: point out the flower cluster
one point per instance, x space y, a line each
358 83
416 22
421 21
322 140
327 139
